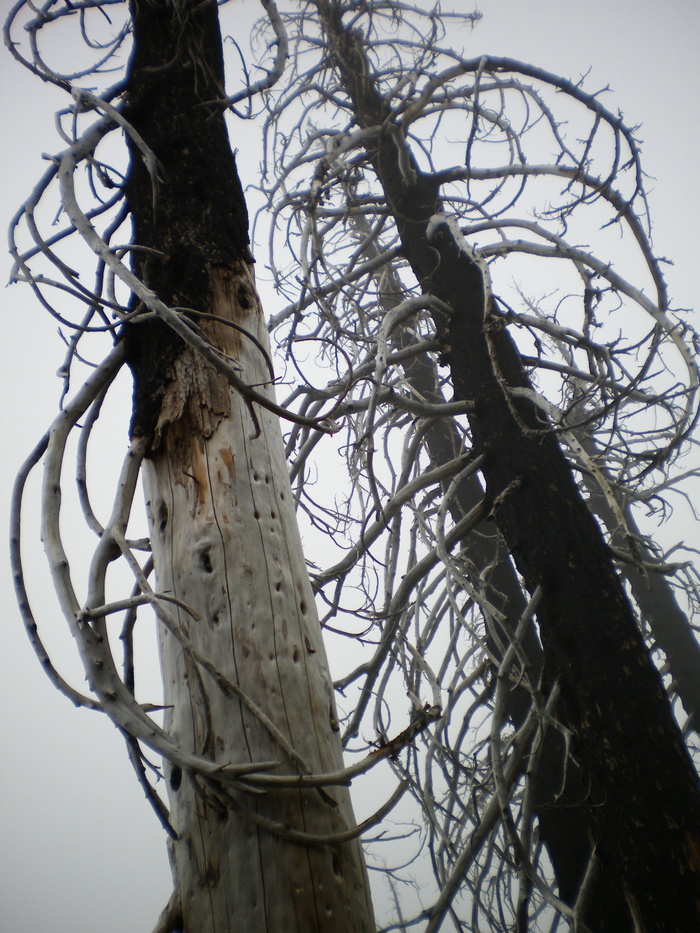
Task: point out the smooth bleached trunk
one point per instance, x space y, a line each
226 546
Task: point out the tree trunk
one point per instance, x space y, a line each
561 786
245 671
642 793
225 543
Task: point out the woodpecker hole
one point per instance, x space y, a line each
162 517
205 561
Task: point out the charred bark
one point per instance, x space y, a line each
561 789
642 797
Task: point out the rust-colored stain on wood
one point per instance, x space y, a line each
227 456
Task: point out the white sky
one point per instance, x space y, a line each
80 850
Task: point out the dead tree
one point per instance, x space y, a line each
609 696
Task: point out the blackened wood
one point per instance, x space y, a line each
194 214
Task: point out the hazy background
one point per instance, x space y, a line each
80 849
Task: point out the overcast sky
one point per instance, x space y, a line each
80 850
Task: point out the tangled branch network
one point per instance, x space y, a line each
417 593
530 168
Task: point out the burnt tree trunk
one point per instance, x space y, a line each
561 786
245 671
642 800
